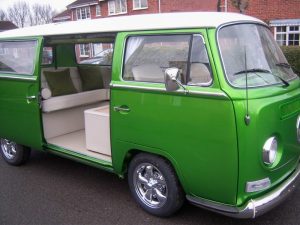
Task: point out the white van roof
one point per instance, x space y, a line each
131 23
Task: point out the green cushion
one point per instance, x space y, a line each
91 77
60 82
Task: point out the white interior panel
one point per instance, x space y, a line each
75 141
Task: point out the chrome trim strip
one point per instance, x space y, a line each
137 87
17 77
254 207
204 93
156 33
298 129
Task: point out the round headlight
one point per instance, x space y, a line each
270 150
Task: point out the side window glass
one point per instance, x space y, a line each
147 57
47 56
17 57
200 70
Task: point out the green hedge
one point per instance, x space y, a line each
292 53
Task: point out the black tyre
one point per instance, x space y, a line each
13 153
154 185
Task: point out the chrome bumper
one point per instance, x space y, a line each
254 207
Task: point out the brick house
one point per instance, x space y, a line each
62 17
283 16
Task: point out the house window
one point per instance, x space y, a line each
3 51
94 53
84 50
140 4
83 13
287 35
117 7
98 10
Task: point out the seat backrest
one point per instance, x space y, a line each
73 74
148 72
106 76
199 74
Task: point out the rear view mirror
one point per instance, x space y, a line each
171 79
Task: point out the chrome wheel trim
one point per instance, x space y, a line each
150 185
8 148
298 128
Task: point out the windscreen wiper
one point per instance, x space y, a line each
286 84
285 65
288 66
258 70
255 70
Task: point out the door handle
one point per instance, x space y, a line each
122 108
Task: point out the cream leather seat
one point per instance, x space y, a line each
148 72
200 74
82 98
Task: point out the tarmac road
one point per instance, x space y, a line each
53 190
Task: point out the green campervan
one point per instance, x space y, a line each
196 106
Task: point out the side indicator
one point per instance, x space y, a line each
259 185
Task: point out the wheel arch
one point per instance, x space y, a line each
122 168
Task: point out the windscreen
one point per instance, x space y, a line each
17 57
251 49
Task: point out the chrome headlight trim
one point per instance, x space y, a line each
298 129
270 149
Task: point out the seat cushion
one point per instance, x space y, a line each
91 77
60 82
46 93
73 100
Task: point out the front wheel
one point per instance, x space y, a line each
13 153
154 185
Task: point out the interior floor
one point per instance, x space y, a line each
69 118
76 142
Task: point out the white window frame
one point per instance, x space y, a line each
3 51
82 50
139 6
286 33
83 12
98 10
112 5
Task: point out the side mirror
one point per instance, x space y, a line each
171 79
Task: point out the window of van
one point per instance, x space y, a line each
47 58
17 57
94 53
255 59
147 58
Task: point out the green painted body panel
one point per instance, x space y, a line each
65 55
191 131
19 118
90 161
273 111
267 120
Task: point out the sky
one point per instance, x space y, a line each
59 5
